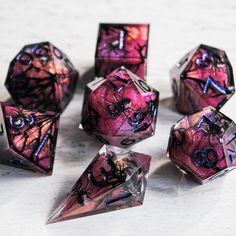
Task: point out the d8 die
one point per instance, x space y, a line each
122 45
203 144
41 77
203 77
28 138
121 109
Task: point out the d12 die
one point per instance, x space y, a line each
203 77
28 138
41 77
121 109
122 45
203 144
115 179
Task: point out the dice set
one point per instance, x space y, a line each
120 109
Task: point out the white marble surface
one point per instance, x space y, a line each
174 204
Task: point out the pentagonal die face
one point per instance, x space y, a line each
203 144
202 78
121 109
122 45
41 77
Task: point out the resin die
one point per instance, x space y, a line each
121 109
122 45
203 144
28 138
203 77
41 77
115 179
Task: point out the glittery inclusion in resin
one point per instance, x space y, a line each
203 144
121 109
203 77
122 45
115 179
28 138
41 77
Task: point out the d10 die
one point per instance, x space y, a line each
41 77
122 45
28 138
203 144
121 109
202 78
114 180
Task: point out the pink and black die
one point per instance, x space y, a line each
203 144
122 45
121 109
203 77
41 77
28 138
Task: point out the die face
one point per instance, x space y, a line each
122 45
207 79
115 179
196 144
31 138
122 107
41 77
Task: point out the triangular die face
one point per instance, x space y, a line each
115 179
32 135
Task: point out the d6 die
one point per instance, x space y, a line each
122 45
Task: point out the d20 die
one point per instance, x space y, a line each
28 138
115 179
121 109
122 45
203 77
41 77
203 144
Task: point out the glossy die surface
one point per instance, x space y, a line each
121 109
115 179
122 45
203 144
203 77
41 77
28 138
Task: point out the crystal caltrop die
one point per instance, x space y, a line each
203 77
121 109
115 179
41 77
203 144
122 45
28 138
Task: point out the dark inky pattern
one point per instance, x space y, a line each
121 110
122 45
203 77
115 179
32 136
197 144
41 77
